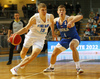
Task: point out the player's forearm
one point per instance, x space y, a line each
52 29
22 31
77 18
9 32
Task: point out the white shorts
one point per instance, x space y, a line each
35 42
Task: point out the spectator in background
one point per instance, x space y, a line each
86 34
4 32
98 22
24 9
15 26
88 26
91 20
91 15
94 25
96 17
93 32
78 7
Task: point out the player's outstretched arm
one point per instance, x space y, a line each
73 19
26 28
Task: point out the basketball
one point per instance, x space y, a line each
15 39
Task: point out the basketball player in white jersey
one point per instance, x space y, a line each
38 27
70 37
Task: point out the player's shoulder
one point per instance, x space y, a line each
56 19
33 17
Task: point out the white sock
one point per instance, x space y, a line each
77 65
51 66
17 67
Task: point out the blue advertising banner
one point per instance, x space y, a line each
86 49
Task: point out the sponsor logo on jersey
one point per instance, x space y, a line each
43 26
63 29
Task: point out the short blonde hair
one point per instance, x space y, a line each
42 5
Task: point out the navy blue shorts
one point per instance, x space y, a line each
65 42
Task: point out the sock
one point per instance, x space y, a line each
51 66
77 65
17 67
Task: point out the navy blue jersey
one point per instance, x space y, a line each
66 32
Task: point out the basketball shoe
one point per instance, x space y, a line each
79 71
49 69
14 71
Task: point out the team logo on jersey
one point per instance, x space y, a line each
43 26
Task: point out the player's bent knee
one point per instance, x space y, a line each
72 46
34 55
54 54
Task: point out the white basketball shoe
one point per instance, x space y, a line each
79 71
49 69
14 71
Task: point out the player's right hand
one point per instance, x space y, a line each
8 39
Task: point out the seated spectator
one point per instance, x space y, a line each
91 20
91 15
93 32
88 25
96 18
87 33
94 25
98 22
98 25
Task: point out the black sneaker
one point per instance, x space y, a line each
48 69
9 63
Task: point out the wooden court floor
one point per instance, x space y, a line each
63 70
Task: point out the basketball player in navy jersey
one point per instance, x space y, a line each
70 37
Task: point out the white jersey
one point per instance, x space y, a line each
39 29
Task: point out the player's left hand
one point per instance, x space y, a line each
69 25
54 36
